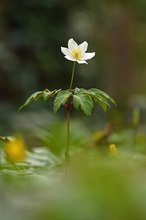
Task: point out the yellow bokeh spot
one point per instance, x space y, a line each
77 53
113 149
15 150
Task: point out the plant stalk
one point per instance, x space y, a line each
72 76
67 156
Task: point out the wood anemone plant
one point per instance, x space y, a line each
78 97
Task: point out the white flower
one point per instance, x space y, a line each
76 52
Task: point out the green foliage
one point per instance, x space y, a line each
46 94
84 98
61 99
81 98
84 101
54 137
97 188
101 97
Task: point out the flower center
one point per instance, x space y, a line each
77 53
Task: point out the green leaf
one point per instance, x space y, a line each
97 95
61 99
79 90
100 100
47 94
103 105
34 97
103 95
76 101
84 101
57 91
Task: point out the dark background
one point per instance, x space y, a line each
32 32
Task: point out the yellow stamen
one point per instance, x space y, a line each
77 53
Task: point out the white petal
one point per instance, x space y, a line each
65 51
72 44
82 61
83 46
88 56
70 58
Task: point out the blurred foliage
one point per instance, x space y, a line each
94 187
55 137
105 179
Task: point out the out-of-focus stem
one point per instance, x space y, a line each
67 156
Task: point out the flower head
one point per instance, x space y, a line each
76 52
15 150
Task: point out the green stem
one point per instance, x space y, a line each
72 76
67 156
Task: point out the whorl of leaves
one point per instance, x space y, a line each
81 98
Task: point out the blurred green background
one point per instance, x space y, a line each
32 32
